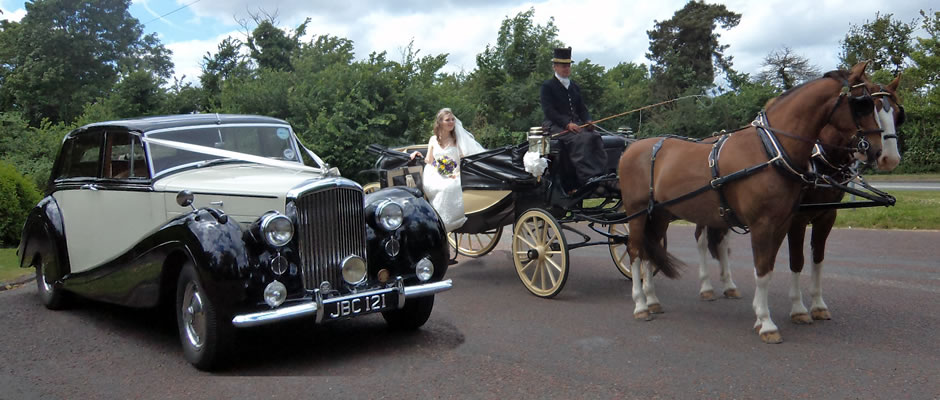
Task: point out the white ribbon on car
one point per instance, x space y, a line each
212 151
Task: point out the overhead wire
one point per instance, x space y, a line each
171 12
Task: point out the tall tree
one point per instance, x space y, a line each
272 47
885 41
785 69
684 49
506 82
65 53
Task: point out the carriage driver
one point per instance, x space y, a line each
582 150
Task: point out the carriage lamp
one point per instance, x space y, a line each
354 269
538 142
424 269
389 215
277 229
275 294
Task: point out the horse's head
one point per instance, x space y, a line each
854 127
891 116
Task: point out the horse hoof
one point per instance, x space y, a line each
821 314
801 319
771 337
707 295
732 294
644 315
656 308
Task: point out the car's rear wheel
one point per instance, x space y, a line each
415 313
204 336
52 297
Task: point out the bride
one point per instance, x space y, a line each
441 176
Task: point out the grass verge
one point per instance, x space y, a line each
913 210
10 267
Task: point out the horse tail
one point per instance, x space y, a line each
657 254
715 236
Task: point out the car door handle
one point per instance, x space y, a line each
216 203
90 186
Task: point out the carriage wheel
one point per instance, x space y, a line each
618 251
370 187
475 244
540 253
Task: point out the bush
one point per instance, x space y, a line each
17 196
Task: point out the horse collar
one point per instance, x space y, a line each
775 151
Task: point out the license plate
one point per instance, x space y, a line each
360 305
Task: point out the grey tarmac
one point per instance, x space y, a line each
488 338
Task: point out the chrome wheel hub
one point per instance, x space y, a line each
194 318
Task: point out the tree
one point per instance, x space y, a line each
65 53
884 41
270 46
785 69
684 49
227 63
506 83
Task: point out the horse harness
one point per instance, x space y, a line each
776 154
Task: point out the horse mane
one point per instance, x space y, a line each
837 74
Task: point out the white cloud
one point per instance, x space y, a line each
14 16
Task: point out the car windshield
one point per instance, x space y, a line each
270 141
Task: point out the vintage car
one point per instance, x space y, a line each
219 217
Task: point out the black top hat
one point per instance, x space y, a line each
562 55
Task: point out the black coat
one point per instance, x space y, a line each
561 105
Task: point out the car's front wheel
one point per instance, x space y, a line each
205 337
412 316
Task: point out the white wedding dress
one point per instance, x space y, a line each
444 192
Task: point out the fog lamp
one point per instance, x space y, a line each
354 269
392 247
389 215
424 269
275 294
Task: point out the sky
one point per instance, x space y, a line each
607 32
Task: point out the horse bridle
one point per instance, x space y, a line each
860 106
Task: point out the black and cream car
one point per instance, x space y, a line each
219 216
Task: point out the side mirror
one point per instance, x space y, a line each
185 199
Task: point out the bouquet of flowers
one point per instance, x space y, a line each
446 167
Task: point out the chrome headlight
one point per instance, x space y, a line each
277 229
275 294
389 214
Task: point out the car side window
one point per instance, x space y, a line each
80 156
124 155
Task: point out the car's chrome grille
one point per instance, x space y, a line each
331 227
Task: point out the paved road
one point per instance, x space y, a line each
488 338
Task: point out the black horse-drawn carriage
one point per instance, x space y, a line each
498 191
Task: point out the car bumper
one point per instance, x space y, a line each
317 305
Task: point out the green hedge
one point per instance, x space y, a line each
17 196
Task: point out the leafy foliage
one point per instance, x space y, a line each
884 41
65 53
17 196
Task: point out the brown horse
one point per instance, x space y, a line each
670 179
890 116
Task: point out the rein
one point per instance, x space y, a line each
566 131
